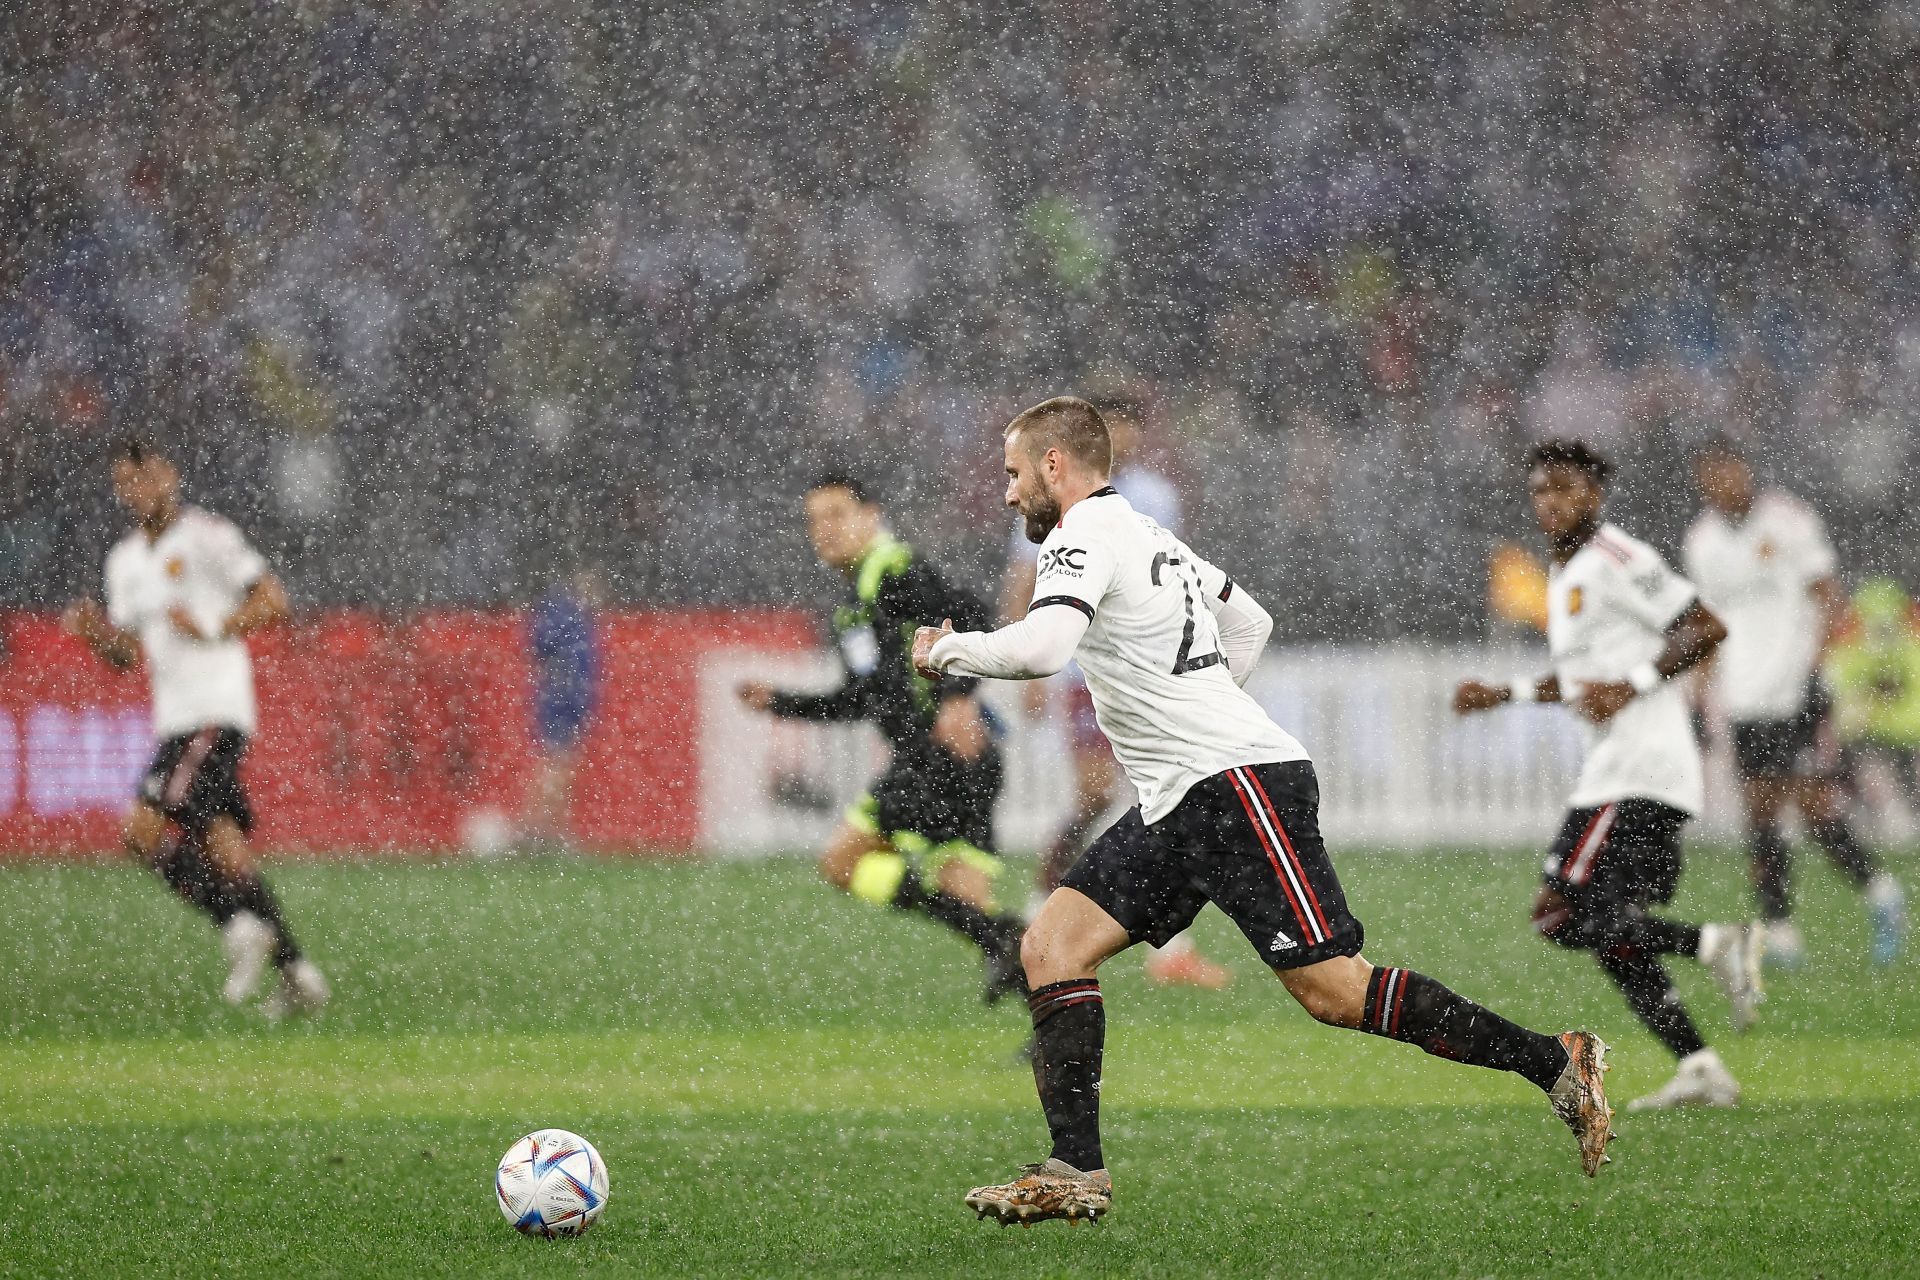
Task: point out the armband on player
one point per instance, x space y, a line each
1523 689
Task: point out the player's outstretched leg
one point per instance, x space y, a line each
1065 945
178 856
1410 1007
303 989
1605 920
868 866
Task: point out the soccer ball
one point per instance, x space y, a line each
487 833
551 1183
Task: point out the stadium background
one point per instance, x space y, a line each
446 302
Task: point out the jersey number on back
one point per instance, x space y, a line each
1189 588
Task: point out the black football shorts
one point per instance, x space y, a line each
1247 840
195 778
1802 745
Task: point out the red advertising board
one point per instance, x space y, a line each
379 733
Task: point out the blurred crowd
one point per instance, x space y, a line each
443 299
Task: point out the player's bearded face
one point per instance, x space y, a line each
1027 493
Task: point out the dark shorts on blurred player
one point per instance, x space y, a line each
1802 745
935 802
195 778
1247 840
1611 859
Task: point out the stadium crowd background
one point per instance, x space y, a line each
440 296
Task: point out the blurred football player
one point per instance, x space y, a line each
1620 626
922 839
1763 560
183 591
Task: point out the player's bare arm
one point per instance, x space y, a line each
1480 695
1691 639
87 621
266 605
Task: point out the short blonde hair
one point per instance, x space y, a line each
1069 424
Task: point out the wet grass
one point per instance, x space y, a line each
783 1082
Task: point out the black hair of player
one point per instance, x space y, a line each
137 449
841 478
1577 454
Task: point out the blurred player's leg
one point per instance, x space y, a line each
1771 862
302 988
152 839
1822 801
178 856
872 867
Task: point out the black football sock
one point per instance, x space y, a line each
183 865
1845 851
1772 872
250 893
989 933
1654 936
1414 1009
1069 1038
1643 980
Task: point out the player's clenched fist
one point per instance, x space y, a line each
923 641
1477 695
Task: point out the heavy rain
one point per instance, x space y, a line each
1424 496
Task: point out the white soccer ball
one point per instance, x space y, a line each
551 1183
486 833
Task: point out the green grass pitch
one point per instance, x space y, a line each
785 1082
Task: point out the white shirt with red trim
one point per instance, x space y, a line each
202 562
1758 575
1608 610
1162 688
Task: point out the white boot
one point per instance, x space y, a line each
1731 953
1702 1080
303 989
248 941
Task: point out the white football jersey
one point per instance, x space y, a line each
1161 688
1608 610
1758 575
205 563
1152 495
